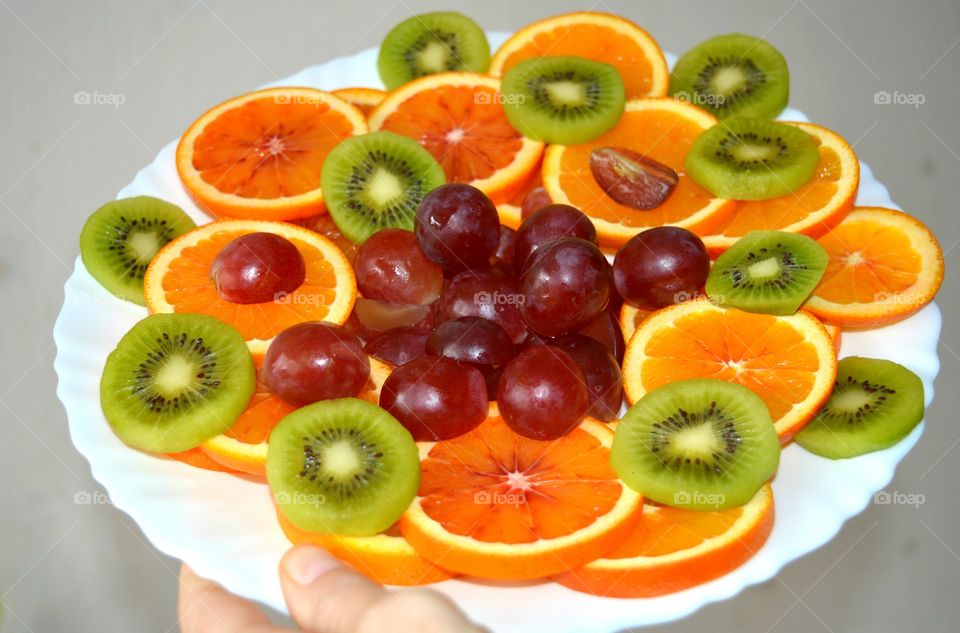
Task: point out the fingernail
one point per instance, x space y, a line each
305 563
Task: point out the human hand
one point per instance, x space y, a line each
323 596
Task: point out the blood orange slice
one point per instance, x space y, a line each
178 280
789 361
459 118
259 155
673 549
494 504
364 99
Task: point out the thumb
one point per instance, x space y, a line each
325 596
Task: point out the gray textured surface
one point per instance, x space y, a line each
86 567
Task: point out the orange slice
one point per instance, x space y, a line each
494 504
244 446
364 99
663 129
673 549
884 266
599 36
197 458
812 209
789 361
387 558
259 155
459 118
178 280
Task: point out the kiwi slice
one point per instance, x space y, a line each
121 237
703 444
875 403
752 159
175 380
376 181
563 100
771 272
733 75
342 467
432 43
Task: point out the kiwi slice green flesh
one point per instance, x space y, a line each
772 272
121 237
175 380
875 403
733 75
342 467
432 43
752 159
377 181
703 444
563 100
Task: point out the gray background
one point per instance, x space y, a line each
65 566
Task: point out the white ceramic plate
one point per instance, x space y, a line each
224 526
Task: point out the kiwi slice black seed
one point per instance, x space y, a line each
771 272
376 181
342 467
752 159
733 75
175 380
703 444
432 43
563 100
121 237
875 403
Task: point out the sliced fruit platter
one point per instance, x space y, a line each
552 327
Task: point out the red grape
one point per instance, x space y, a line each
315 361
471 340
323 224
547 224
390 267
490 294
375 316
504 256
660 266
435 398
458 227
602 373
398 346
492 377
606 330
256 268
542 393
534 201
565 286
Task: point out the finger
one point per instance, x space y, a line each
325 596
205 607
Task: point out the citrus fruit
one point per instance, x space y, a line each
661 129
672 549
364 99
493 504
598 36
244 446
387 558
178 280
259 155
197 458
812 209
789 361
459 118
884 266
511 211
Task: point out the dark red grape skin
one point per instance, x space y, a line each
660 267
315 361
490 294
389 266
436 398
602 373
256 268
542 393
535 200
492 377
398 346
473 340
564 287
504 257
457 226
547 224
606 330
